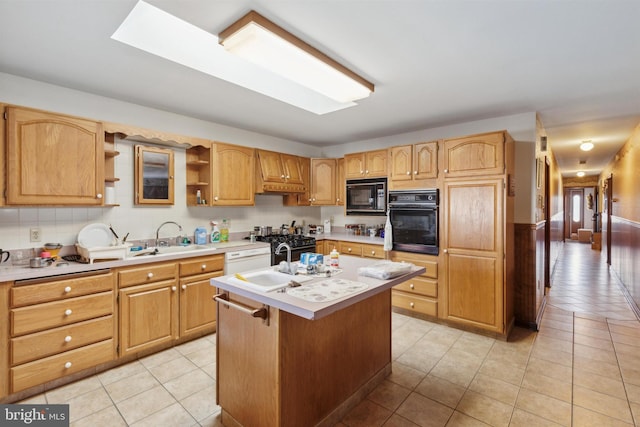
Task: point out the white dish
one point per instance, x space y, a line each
95 235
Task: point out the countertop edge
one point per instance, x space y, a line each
293 305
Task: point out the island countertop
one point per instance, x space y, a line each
316 310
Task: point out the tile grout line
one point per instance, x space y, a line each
624 383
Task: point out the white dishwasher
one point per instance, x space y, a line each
247 259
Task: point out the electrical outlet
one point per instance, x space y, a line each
34 234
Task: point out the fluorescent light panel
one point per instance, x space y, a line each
586 146
160 33
256 39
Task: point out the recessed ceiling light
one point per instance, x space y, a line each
586 145
580 174
160 33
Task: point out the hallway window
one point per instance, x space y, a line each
577 205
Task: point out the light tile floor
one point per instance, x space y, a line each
581 369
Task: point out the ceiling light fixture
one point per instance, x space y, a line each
586 145
580 174
260 41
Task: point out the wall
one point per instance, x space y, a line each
625 215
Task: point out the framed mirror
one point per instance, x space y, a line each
153 176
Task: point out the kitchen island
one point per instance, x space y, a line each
301 362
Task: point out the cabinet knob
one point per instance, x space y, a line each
287 177
412 286
361 172
99 196
282 176
173 288
215 198
67 338
349 250
411 305
184 287
445 251
408 172
415 172
149 275
203 266
68 312
67 289
366 171
373 252
446 171
67 365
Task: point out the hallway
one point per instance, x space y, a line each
581 369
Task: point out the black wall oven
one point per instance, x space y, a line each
414 220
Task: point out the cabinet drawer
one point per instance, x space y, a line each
373 251
41 344
54 290
415 303
202 265
419 285
53 314
53 367
147 274
350 248
429 262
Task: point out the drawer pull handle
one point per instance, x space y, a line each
149 275
68 312
412 286
262 313
184 287
411 304
67 289
67 338
203 266
67 365
173 288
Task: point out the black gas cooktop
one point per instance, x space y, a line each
293 240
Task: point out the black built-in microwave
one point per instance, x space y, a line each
366 196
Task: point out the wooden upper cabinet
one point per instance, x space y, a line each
323 182
413 162
341 184
369 164
53 159
278 172
154 176
475 155
233 172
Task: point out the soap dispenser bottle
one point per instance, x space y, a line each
215 232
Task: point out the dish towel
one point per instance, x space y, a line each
388 237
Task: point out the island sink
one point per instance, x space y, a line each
267 280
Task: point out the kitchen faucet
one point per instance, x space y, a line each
164 223
288 248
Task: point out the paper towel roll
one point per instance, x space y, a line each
109 195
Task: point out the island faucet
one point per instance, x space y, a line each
288 248
161 225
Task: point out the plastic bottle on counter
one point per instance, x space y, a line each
215 232
224 230
334 258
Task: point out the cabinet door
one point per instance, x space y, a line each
270 165
401 163
53 159
376 163
148 316
354 165
473 248
323 188
341 184
233 172
292 169
425 160
197 307
474 155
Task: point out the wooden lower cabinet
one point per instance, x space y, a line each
197 308
296 372
419 294
148 316
59 327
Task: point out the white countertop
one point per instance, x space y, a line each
10 273
345 237
317 310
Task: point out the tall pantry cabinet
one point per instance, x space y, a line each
476 229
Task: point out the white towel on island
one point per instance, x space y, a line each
388 234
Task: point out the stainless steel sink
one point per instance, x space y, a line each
168 250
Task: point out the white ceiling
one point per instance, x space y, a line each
434 63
